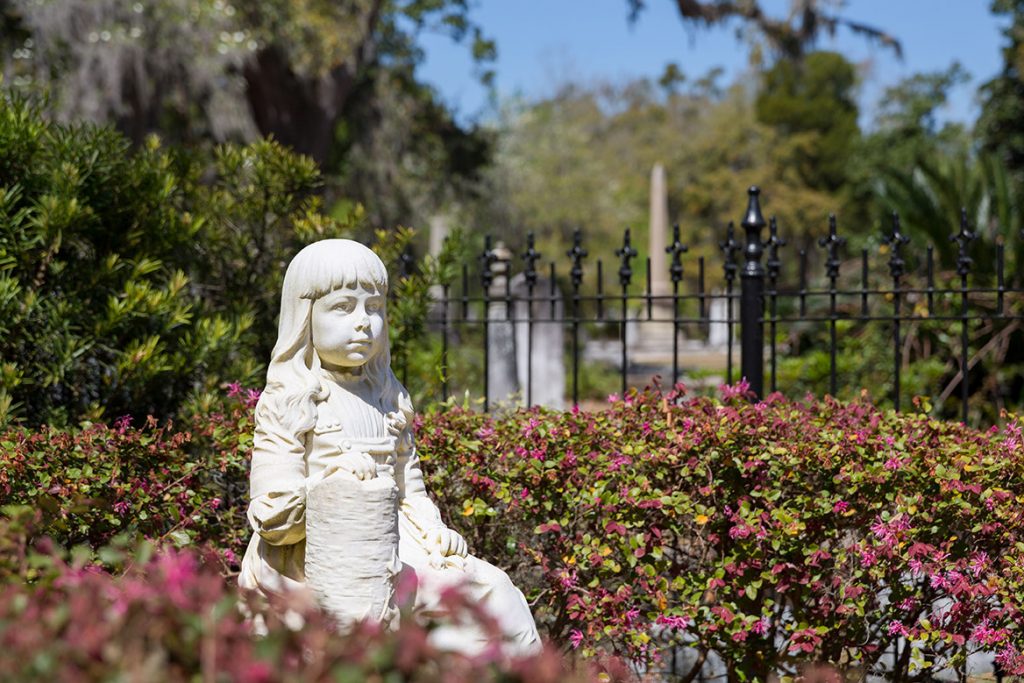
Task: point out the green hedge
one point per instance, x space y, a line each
769 534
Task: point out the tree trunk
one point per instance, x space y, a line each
302 111
299 112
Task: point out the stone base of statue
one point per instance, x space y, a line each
352 548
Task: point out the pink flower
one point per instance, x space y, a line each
524 494
738 390
618 461
214 503
761 626
979 562
575 637
1010 659
613 398
893 463
672 621
122 423
121 507
177 570
631 615
252 397
882 531
898 629
984 634
234 389
840 507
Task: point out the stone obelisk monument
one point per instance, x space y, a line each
658 237
655 336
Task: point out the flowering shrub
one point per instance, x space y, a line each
90 487
767 534
172 618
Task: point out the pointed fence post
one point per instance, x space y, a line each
752 297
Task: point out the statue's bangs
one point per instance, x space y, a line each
351 270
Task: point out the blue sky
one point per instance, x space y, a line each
543 43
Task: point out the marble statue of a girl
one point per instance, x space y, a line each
337 499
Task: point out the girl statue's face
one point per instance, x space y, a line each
348 327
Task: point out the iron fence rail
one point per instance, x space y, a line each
899 298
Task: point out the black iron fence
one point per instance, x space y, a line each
959 307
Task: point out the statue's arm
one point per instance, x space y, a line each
416 507
412 491
277 485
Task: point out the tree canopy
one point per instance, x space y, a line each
1001 124
331 80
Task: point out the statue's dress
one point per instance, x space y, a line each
354 417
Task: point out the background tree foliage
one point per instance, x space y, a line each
330 80
789 36
583 159
1001 124
812 104
336 81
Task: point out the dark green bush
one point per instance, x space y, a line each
135 280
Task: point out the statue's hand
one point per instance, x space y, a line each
362 465
447 541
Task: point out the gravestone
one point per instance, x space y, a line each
439 228
502 377
540 344
718 328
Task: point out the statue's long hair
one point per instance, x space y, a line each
295 381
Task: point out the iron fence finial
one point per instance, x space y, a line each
677 249
729 247
626 253
896 239
487 258
577 253
831 243
772 244
531 256
963 240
